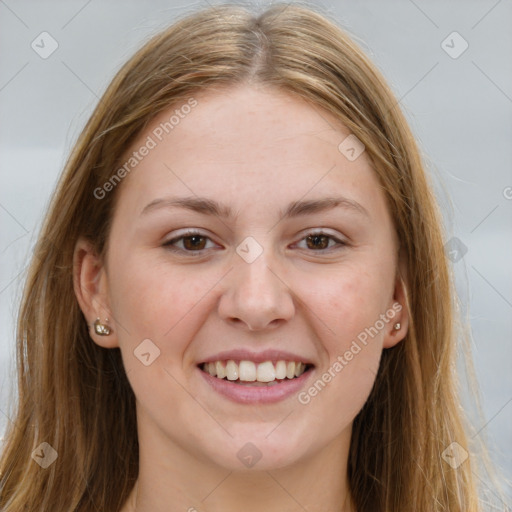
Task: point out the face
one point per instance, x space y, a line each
278 275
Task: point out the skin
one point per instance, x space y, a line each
255 150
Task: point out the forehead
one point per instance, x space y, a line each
250 147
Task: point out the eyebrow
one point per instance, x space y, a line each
208 206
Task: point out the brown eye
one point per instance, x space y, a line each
192 242
319 242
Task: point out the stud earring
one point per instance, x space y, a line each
397 326
101 329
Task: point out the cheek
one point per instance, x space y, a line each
347 301
348 307
336 396
161 303
153 299
347 311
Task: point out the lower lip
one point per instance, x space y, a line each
246 394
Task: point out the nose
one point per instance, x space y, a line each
256 295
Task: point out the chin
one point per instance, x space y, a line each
259 449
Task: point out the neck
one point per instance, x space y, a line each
316 483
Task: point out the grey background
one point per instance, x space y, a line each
459 109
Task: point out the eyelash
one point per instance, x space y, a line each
168 245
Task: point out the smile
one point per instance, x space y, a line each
245 371
249 382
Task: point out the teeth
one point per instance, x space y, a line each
266 372
281 370
231 370
248 371
221 371
290 370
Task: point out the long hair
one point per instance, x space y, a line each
75 396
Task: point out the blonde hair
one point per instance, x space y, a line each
75 395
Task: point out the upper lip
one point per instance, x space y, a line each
257 357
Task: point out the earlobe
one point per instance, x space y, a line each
399 324
91 291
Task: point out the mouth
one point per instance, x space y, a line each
254 374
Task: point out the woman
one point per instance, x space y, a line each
240 298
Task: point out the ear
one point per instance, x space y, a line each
399 306
91 290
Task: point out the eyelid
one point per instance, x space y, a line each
179 236
340 243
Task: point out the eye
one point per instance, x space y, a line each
193 241
318 241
